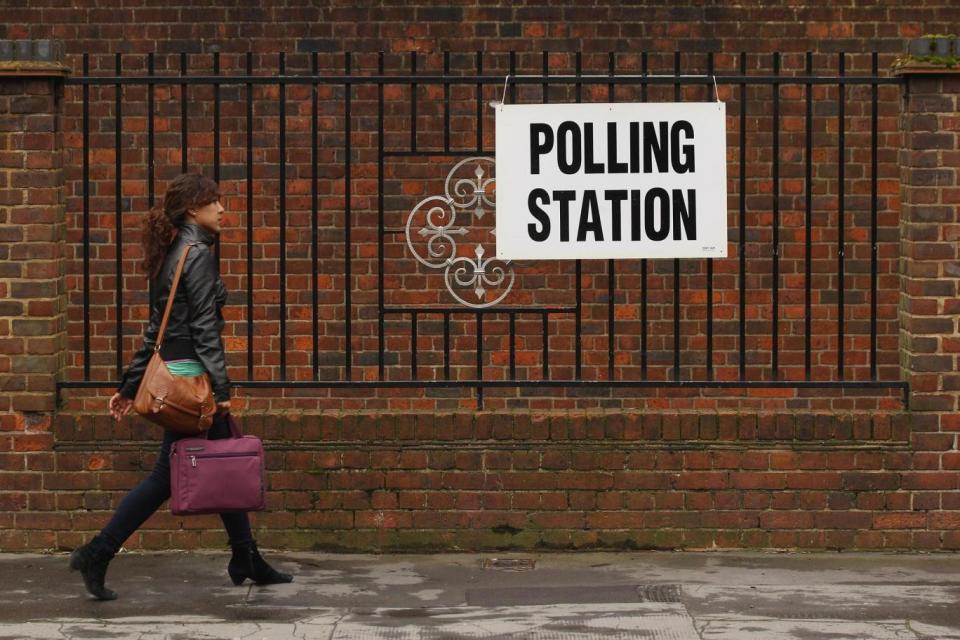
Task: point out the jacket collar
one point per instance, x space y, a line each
194 232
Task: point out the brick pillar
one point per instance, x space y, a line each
930 261
33 339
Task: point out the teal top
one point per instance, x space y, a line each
185 367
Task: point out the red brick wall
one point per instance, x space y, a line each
809 469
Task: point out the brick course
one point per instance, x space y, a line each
515 480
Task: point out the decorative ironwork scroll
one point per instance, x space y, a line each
433 227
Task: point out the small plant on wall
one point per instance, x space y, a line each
932 50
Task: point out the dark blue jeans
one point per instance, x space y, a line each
142 501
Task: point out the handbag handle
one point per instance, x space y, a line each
234 427
173 292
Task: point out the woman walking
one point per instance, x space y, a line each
190 215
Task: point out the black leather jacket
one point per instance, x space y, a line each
193 330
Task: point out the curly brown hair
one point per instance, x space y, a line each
187 191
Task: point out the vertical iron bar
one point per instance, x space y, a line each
741 249
775 319
611 265
479 347
546 71
841 176
314 212
479 103
249 217
480 360
676 261
713 96
578 70
513 345
380 301
86 219
118 203
643 261
446 102
216 137
413 345
546 349
183 114
808 249
348 224
578 266
413 102
643 71
513 71
151 161
282 99
446 345
873 217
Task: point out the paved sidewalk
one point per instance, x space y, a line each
569 596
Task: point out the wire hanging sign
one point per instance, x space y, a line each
506 81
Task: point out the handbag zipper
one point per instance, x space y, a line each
193 459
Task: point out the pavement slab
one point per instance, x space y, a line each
535 596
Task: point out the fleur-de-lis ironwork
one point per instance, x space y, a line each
440 226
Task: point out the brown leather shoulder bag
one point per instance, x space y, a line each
183 404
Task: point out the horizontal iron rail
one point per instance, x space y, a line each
454 153
484 79
721 384
488 310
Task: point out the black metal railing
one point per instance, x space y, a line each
737 81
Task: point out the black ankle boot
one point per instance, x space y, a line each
248 563
91 561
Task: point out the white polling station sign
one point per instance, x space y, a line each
611 180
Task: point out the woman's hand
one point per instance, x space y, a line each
120 406
223 407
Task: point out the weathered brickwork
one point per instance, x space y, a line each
391 469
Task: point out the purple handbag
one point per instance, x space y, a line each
217 476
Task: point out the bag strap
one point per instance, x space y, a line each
234 428
173 292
